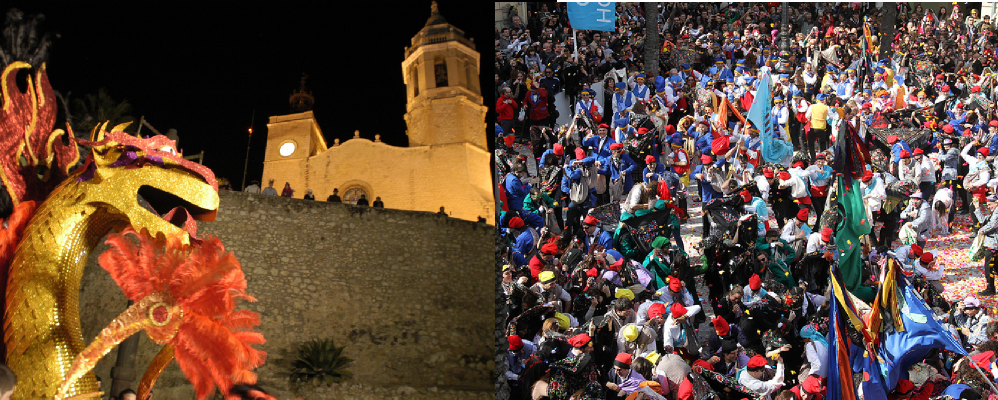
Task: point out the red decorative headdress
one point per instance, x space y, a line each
185 297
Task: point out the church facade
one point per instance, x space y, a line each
447 161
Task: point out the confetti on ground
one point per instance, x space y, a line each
963 277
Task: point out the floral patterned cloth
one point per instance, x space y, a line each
608 215
914 137
724 211
533 312
701 389
551 175
639 146
682 56
730 382
572 373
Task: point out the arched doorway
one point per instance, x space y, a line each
352 194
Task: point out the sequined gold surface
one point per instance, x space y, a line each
133 320
41 324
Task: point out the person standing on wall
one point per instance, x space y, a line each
335 197
269 190
254 187
288 191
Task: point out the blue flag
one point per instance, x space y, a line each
873 381
592 15
922 333
761 115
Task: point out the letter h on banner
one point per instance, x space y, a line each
592 15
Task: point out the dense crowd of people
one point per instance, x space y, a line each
606 298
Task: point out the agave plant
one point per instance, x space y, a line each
320 361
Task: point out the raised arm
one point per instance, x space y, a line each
965 154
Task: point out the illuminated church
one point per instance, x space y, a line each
447 161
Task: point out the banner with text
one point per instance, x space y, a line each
592 15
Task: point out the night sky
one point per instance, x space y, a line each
203 68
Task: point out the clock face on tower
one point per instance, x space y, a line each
287 149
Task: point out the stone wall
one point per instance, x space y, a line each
406 292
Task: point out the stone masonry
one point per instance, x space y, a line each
406 292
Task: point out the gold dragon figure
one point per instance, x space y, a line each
128 182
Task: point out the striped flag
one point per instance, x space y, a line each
722 114
885 309
899 331
845 307
847 301
868 36
840 383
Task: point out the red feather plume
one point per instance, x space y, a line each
213 345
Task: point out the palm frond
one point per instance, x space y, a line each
95 108
320 361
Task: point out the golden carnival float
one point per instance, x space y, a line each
185 288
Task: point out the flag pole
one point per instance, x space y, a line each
990 381
575 41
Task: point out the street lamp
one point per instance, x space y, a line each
785 66
249 140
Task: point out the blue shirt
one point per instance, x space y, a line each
545 155
993 146
516 191
896 150
626 167
703 142
522 247
708 191
574 174
602 238
658 173
525 242
516 363
552 84
593 143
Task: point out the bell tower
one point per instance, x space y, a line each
301 99
291 140
441 71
